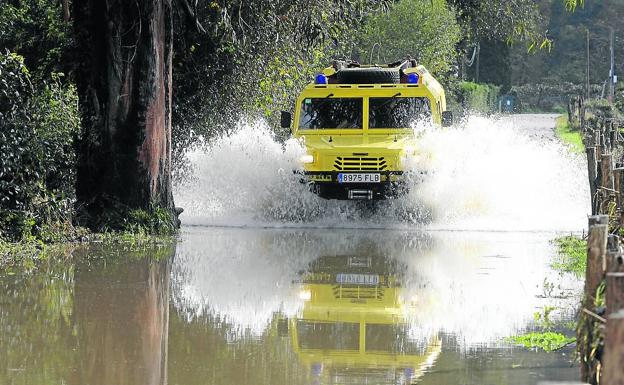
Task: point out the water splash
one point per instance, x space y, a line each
508 174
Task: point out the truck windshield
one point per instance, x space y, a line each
397 112
317 113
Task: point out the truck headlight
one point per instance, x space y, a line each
305 295
305 159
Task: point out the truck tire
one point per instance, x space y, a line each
369 76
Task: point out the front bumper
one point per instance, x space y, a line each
325 184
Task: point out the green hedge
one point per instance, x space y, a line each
481 98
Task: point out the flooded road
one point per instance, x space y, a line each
297 306
271 285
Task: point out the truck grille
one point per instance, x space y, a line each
357 163
358 292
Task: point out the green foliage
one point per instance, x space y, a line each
545 338
156 221
574 139
29 254
500 20
571 5
141 223
548 341
591 335
38 124
571 255
567 61
36 30
542 318
482 98
599 109
544 97
425 30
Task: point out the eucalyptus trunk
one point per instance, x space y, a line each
124 84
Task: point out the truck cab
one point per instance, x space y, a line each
359 126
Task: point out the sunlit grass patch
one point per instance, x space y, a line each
548 341
571 255
569 135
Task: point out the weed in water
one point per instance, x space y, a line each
548 341
571 255
542 318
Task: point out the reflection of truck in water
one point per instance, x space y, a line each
358 126
354 323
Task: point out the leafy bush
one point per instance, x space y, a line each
601 108
37 129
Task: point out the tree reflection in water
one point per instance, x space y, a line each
122 315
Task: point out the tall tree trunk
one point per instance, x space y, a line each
124 84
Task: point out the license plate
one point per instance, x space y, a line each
358 279
359 178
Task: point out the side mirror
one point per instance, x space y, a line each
286 119
447 119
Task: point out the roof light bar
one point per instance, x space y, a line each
413 78
320 79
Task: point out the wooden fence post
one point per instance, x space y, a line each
606 174
618 180
613 372
592 173
606 183
596 255
596 250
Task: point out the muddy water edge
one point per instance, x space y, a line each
290 306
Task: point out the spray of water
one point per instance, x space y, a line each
485 174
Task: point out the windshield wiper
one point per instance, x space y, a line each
325 100
389 100
321 104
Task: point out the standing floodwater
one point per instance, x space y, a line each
269 284
295 306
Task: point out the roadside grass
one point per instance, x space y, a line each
28 255
569 135
133 231
571 255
